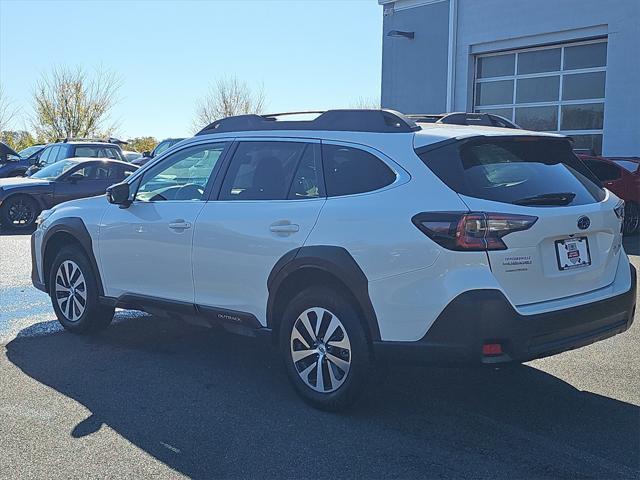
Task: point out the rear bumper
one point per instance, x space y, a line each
485 316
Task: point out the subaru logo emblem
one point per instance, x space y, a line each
583 223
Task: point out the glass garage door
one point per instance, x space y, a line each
558 88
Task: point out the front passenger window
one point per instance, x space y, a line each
181 176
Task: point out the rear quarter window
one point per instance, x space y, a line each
525 171
350 170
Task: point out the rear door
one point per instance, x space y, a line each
267 205
574 245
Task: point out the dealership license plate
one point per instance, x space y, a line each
573 253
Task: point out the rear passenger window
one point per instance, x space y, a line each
262 171
350 170
307 180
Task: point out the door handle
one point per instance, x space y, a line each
179 225
284 228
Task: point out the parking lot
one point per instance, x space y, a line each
162 398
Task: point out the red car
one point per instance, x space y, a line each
621 175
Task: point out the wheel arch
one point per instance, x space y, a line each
62 233
319 265
33 196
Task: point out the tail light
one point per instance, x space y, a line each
473 231
619 211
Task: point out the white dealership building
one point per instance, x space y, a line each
568 66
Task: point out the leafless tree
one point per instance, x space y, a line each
69 103
367 103
7 111
227 97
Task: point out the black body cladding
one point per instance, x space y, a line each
75 227
333 260
477 317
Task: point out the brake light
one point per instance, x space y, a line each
473 231
491 349
619 211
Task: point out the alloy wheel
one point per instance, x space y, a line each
21 212
320 350
71 290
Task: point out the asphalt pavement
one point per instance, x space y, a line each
156 397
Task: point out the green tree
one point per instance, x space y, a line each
17 140
141 144
67 102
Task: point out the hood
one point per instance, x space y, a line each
15 182
80 206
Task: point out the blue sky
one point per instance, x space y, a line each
308 54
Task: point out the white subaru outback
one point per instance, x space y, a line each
354 237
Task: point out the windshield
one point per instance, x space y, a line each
523 171
55 170
27 152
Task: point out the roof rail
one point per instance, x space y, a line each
378 121
425 117
93 139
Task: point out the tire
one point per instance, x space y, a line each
83 287
19 212
631 218
341 345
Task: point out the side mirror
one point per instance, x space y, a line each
33 160
146 154
118 194
76 177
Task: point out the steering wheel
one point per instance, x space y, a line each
190 191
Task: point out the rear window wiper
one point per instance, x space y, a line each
560 198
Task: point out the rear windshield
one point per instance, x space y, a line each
530 171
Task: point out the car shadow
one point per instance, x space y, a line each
15 231
213 405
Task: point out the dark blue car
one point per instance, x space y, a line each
15 164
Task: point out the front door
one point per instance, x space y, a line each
145 249
87 179
268 203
